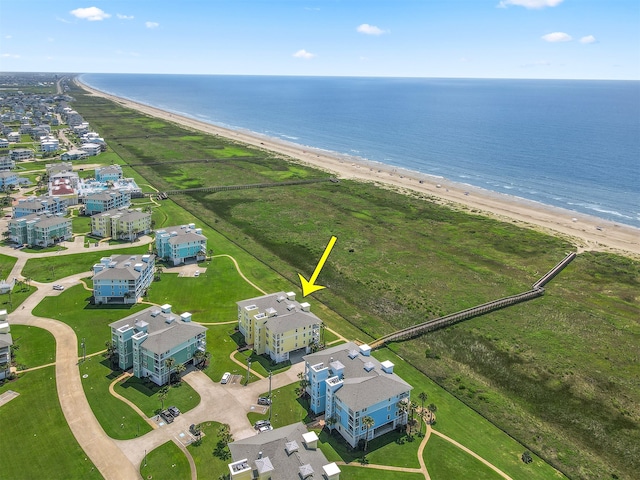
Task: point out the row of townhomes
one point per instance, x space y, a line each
278 326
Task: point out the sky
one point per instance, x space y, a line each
547 39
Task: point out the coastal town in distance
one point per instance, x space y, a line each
142 336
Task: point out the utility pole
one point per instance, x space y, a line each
270 401
248 371
84 350
145 458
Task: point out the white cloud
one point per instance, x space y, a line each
588 39
9 55
304 54
557 37
124 17
90 13
151 24
369 29
530 4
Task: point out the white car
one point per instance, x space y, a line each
197 274
58 287
225 377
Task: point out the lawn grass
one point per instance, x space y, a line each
89 321
445 460
166 462
210 297
34 424
144 393
208 465
81 224
49 269
118 419
12 301
6 265
401 259
35 346
286 408
221 342
390 449
359 473
262 363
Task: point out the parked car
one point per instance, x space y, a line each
225 377
174 411
58 287
261 423
197 274
265 428
166 416
264 401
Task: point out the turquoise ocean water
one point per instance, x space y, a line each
566 143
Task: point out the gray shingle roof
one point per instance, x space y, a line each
273 445
288 313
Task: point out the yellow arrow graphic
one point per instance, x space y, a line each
309 286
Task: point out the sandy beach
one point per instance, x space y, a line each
584 231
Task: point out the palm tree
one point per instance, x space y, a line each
432 408
368 423
413 406
112 352
178 370
403 408
330 422
162 395
169 363
198 358
423 398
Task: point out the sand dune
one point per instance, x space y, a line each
584 231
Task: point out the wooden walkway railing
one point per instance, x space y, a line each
537 290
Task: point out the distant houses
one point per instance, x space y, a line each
286 453
42 205
278 326
104 201
122 279
145 340
181 244
347 384
111 173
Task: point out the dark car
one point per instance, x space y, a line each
174 411
166 416
264 401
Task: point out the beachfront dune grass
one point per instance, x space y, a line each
34 425
558 372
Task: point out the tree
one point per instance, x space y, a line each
162 395
432 409
423 398
330 422
368 422
224 432
178 370
112 353
169 364
413 406
198 358
526 457
302 384
403 409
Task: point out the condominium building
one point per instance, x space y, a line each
145 340
104 201
121 224
41 205
21 154
286 453
278 325
5 345
122 278
181 244
348 384
111 173
40 230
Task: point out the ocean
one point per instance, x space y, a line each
566 143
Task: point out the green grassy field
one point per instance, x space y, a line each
90 322
145 395
166 462
221 342
286 408
33 423
118 419
445 460
208 465
534 369
359 473
34 346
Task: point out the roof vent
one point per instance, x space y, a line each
353 354
368 366
291 447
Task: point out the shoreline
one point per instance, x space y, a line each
585 232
